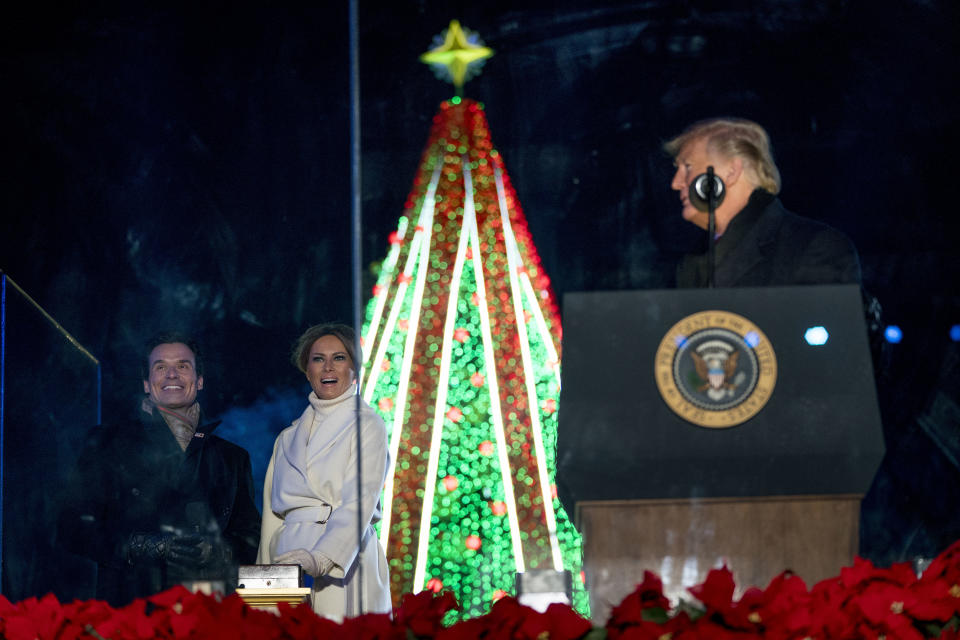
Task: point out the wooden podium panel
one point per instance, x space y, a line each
682 539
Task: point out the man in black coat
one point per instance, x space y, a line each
160 500
758 242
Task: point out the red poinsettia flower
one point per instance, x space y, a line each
31 618
756 611
236 620
454 414
945 569
631 610
831 619
465 630
558 622
461 335
716 592
947 564
369 626
473 542
132 621
485 448
170 597
505 618
422 613
937 599
783 608
865 601
747 614
78 617
863 572
385 404
498 508
883 611
477 379
299 623
435 584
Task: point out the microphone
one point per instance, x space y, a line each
706 187
706 194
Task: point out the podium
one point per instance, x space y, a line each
705 427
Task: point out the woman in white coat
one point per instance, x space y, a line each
310 499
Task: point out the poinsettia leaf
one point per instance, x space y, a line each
690 609
655 614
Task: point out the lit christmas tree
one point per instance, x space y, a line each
461 341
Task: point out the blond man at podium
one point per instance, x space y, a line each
758 243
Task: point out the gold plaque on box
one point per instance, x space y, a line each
268 599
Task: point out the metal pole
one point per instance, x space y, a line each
356 231
3 358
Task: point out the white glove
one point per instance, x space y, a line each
315 564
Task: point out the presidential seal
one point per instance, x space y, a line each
715 369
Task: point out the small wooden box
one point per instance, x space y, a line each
264 586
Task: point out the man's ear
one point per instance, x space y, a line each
146 386
199 383
733 171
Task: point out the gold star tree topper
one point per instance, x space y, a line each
458 57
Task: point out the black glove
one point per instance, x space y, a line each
184 551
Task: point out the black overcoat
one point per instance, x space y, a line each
767 246
133 478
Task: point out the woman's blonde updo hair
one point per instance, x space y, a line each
731 137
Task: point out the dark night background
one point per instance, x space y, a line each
166 167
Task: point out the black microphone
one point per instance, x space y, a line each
705 187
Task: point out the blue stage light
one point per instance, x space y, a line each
893 334
816 336
955 333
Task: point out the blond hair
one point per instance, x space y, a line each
734 137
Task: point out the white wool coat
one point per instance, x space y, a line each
310 502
